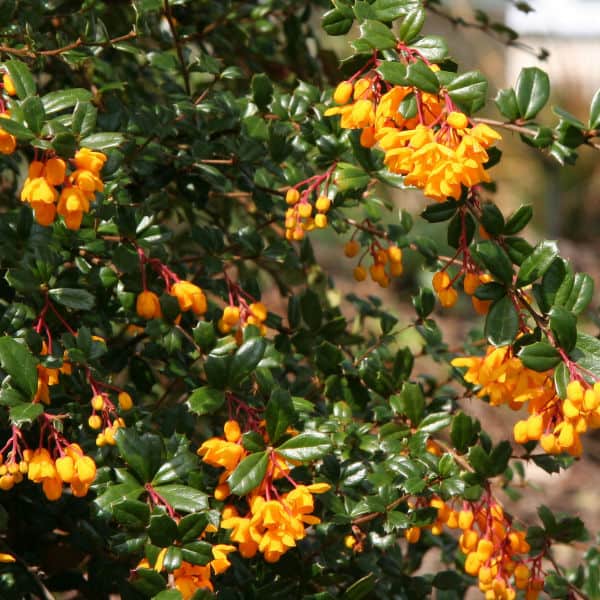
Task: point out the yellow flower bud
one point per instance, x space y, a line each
394 254
95 422
98 402
465 519
343 92
321 221
231 315
520 432
259 310
148 305
351 248
457 120
125 401
323 204
292 196
412 535
440 281
359 273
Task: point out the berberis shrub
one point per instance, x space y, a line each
189 407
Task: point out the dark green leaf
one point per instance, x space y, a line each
517 249
183 497
464 432
518 220
279 414
502 322
78 299
434 422
245 360
22 78
249 473
132 513
469 91
349 177
432 47
422 77
562 378
537 263
56 101
206 400
102 141
410 402
564 326
197 553
376 35
480 461
310 307
141 453
191 526
305 447
337 22
20 364
495 260
411 25
448 580
393 72
162 530
539 356
440 211
20 414
532 91
361 588
33 111
492 219
506 101
22 133
262 90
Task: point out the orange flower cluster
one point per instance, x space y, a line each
494 549
273 525
556 423
12 470
438 150
299 216
442 284
190 297
78 188
226 453
189 578
274 522
104 415
72 467
243 315
390 258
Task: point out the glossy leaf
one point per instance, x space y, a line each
307 446
249 473
502 322
532 91
539 356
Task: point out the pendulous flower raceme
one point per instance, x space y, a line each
273 521
77 188
438 150
495 552
555 422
